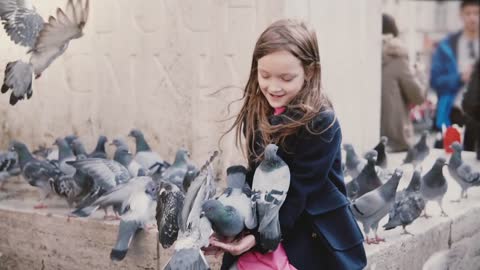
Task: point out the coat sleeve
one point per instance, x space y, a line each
314 157
440 79
411 87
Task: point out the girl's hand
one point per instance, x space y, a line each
236 247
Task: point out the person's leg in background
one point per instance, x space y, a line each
470 135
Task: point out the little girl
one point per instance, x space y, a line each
284 104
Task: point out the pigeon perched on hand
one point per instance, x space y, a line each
464 174
233 210
271 181
195 229
353 164
37 172
409 204
144 154
367 180
46 40
418 153
434 185
370 208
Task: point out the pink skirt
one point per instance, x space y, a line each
276 260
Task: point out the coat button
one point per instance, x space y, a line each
314 235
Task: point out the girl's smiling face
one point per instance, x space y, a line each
280 76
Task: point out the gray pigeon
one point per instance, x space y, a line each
106 174
124 157
382 160
65 154
434 185
367 180
270 185
79 149
175 174
8 167
137 200
418 153
99 151
170 202
464 174
37 172
370 208
353 163
195 229
46 41
144 154
408 206
233 210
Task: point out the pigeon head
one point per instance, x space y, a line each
348 147
236 169
61 142
212 209
152 189
371 156
136 133
166 187
119 143
17 146
384 140
457 147
236 176
271 151
182 155
70 138
440 162
22 152
102 139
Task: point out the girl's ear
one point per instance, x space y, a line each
309 71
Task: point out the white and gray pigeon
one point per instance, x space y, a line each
169 206
178 170
45 40
9 167
195 229
137 200
233 211
367 180
271 181
144 154
353 164
106 174
409 204
464 174
434 185
123 156
370 208
37 172
418 153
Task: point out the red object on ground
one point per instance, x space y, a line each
451 135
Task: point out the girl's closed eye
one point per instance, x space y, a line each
288 78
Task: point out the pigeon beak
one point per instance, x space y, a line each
202 214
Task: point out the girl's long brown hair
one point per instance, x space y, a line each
301 41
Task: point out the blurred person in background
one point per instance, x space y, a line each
452 64
471 107
401 88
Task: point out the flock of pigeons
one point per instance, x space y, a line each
45 41
142 187
373 188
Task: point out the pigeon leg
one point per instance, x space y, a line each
377 239
109 217
405 232
465 195
443 214
425 213
40 205
370 241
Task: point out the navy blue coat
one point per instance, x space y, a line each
318 228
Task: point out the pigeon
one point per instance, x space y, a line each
417 153
138 200
8 167
353 163
79 149
195 229
36 172
271 181
99 151
65 154
46 40
175 174
144 154
381 153
124 157
106 175
434 185
192 173
233 210
370 208
169 204
464 174
409 204
367 180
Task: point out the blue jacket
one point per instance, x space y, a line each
318 228
445 77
